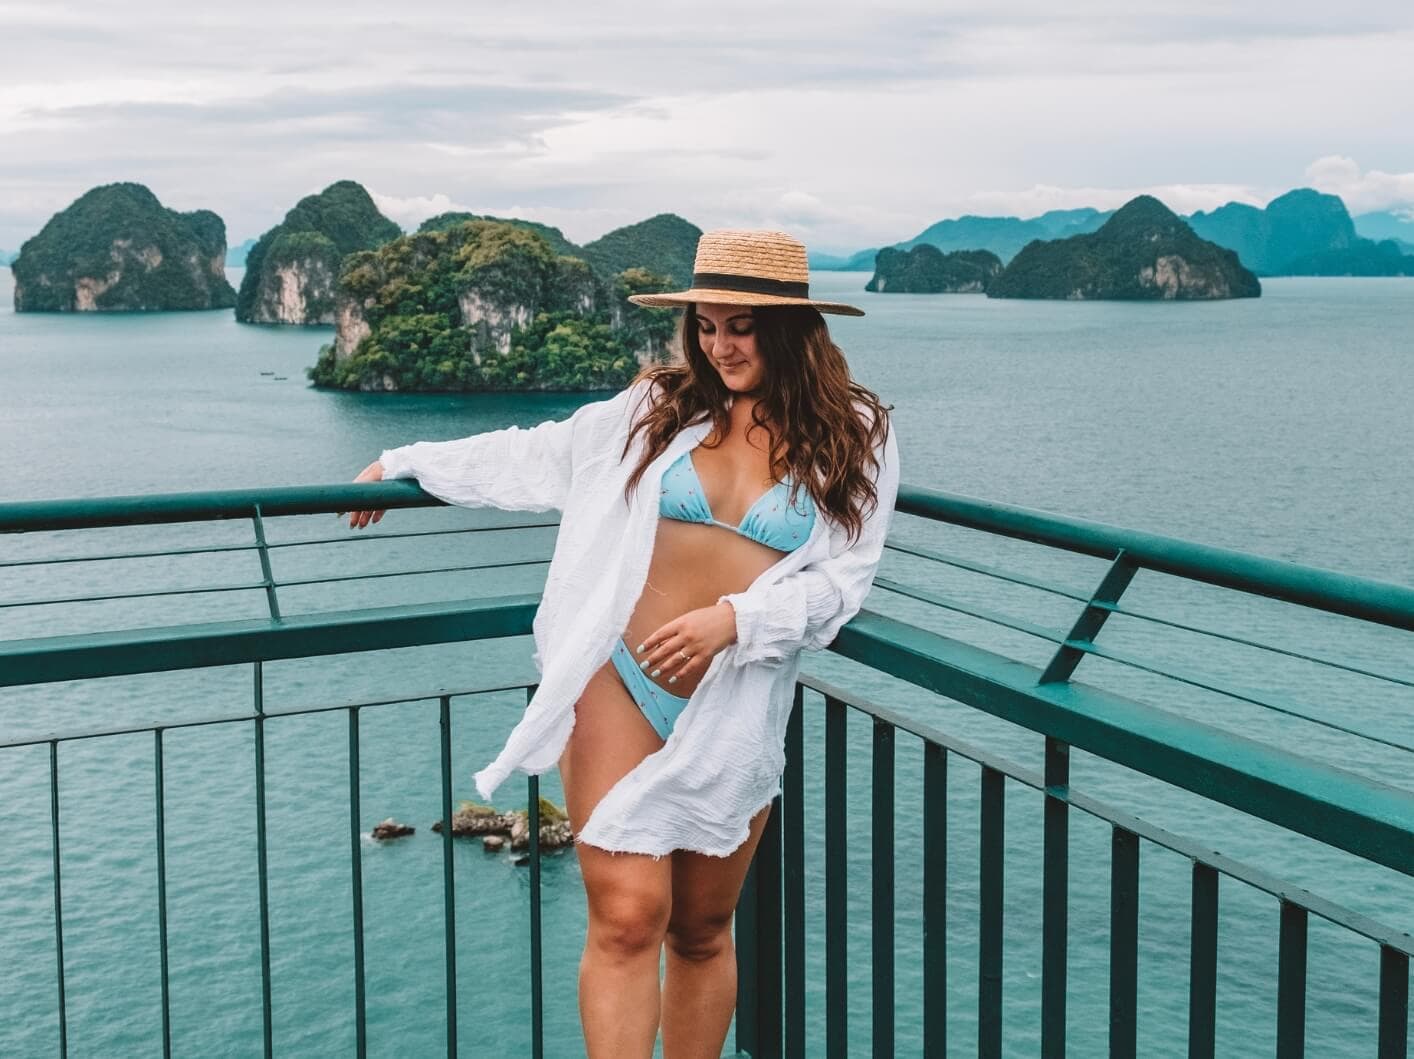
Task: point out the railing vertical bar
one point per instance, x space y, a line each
935 900
1291 983
160 800
1055 898
768 936
836 883
992 880
1394 1004
449 914
745 927
58 894
262 863
1124 943
356 866
1203 966
793 881
537 974
882 961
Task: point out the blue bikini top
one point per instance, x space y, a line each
772 520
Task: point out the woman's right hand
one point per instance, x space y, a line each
358 519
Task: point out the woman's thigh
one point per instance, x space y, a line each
610 737
706 888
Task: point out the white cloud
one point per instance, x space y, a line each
578 225
411 211
1363 192
852 130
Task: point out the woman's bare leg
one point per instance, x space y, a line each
699 991
629 894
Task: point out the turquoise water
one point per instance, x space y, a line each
1279 426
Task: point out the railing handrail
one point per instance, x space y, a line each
1368 599
1350 595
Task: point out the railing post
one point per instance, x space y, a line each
882 864
793 878
449 904
262 863
745 927
935 900
1203 965
58 894
836 883
267 575
160 798
1291 983
991 861
356 885
768 937
537 983
1124 943
1394 1004
1091 620
757 925
1054 911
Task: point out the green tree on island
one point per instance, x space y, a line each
487 305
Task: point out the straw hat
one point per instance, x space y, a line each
747 266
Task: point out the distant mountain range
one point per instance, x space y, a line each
1303 232
236 255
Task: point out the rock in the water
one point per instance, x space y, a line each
1144 251
118 249
390 828
292 269
493 843
472 819
927 270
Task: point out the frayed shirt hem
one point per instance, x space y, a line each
635 843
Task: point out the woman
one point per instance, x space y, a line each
719 515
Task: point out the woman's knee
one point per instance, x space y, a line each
629 921
699 937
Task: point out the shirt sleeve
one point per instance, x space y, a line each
515 468
808 608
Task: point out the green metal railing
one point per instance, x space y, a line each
1340 809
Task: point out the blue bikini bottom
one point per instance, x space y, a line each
660 707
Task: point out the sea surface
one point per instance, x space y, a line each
1281 426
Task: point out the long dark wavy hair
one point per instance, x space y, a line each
806 391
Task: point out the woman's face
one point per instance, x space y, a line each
727 335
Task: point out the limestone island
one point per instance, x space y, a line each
477 305
1143 252
927 270
291 271
117 249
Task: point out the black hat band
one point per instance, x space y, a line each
750 284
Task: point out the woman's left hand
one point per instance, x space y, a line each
699 633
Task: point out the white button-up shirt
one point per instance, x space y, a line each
723 760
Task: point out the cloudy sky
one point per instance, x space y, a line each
849 125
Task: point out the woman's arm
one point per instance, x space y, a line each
515 469
808 608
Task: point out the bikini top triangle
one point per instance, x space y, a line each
773 520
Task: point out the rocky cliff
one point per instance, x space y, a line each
292 269
927 270
1144 251
117 248
487 305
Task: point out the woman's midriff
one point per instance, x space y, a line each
693 563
